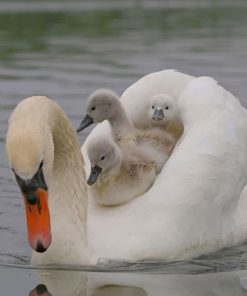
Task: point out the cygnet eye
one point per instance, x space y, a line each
167 108
102 158
152 107
93 108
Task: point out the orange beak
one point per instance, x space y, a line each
38 222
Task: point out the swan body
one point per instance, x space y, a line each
163 112
196 205
105 105
118 175
198 200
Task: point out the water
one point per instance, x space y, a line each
72 283
66 50
62 283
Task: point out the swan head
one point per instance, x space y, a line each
30 153
162 109
102 105
104 156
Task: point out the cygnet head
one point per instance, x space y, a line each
162 109
104 155
102 105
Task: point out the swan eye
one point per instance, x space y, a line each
152 107
93 108
102 158
167 108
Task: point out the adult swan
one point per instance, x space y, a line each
196 205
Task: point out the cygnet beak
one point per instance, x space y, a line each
86 121
158 114
95 172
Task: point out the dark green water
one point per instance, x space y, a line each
66 50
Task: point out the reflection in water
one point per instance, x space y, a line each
112 290
40 290
138 284
64 283
107 290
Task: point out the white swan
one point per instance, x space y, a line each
41 158
118 174
104 104
163 112
197 204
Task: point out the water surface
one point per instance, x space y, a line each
72 283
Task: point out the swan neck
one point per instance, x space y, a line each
68 186
42 131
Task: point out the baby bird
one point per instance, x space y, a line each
163 112
117 175
105 105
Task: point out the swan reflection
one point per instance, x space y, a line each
107 290
76 283
112 290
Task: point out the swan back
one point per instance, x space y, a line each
195 200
